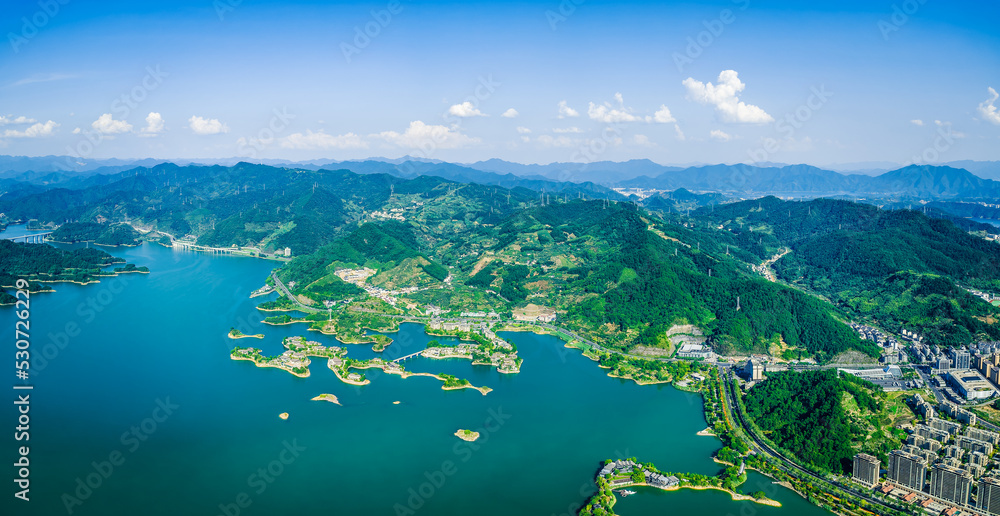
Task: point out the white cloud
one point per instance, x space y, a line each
77 130
947 127
510 113
663 116
557 141
154 125
566 111
19 120
523 130
207 125
642 140
421 135
724 96
567 130
611 114
917 122
321 140
35 131
465 110
988 107
680 134
107 125
721 136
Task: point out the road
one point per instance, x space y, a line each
768 450
284 291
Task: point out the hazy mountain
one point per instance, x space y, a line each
602 172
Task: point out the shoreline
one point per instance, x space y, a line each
273 366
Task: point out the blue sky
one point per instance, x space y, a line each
724 81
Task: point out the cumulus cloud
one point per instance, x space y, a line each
721 136
523 130
510 113
724 96
465 110
207 125
679 134
988 108
610 114
946 126
663 116
107 125
321 140
421 135
37 130
562 130
565 111
19 120
154 125
642 140
917 122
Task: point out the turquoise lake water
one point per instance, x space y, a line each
115 357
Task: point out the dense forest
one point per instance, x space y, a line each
101 234
803 413
42 262
898 268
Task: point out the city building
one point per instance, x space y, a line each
753 370
970 384
951 483
961 359
866 469
942 364
907 469
983 435
989 495
945 426
958 413
931 433
974 445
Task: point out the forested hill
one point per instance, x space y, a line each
900 268
245 204
616 273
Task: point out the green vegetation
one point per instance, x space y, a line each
101 234
900 268
824 419
44 263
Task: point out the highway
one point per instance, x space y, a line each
790 464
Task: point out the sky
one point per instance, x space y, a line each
728 81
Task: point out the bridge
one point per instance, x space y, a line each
33 238
411 355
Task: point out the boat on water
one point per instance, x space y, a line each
625 492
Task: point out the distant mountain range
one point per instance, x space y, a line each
958 180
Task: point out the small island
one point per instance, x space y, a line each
283 415
327 397
467 435
237 334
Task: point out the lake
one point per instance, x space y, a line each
135 395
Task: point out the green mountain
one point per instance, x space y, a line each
899 268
